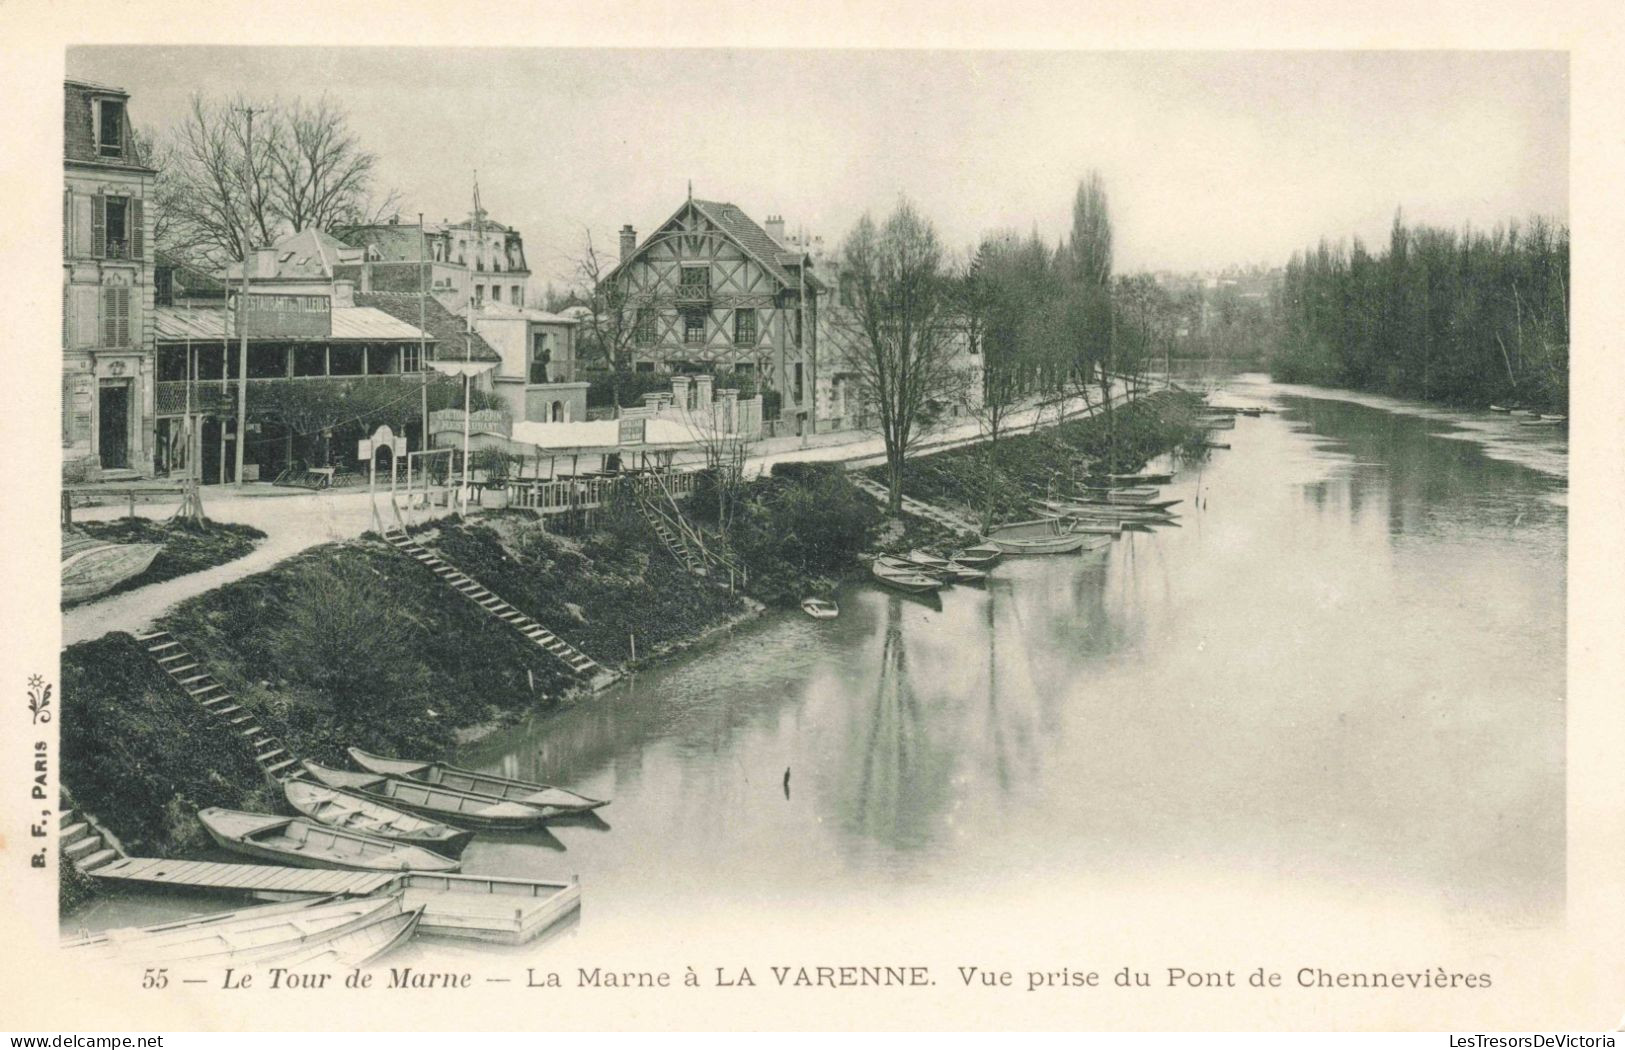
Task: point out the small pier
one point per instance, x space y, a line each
461 907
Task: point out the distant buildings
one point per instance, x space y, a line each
477 259
107 290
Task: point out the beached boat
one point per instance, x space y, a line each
360 946
1095 502
907 578
981 556
1129 480
303 843
820 608
457 808
341 809
898 563
926 559
1502 408
258 935
1546 421
554 801
1220 423
91 566
1042 536
1254 412
192 923
1096 528
1109 512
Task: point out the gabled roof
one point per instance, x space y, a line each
444 327
396 242
740 228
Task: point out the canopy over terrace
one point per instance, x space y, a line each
608 444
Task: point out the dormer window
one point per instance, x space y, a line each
109 127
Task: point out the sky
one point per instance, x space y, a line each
1210 158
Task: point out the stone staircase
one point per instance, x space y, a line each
918 508
580 664
187 671
84 842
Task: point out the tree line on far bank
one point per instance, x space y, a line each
1469 318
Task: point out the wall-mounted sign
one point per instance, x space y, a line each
631 432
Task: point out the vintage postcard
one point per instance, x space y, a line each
911 529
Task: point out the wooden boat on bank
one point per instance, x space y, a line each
820 608
352 812
253 935
1116 506
1546 421
360 946
553 801
303 843
1128 480
953 571
1041 536
457 808
906 578
91 566
1107 513
193 923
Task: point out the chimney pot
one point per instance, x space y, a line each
629 242
775 228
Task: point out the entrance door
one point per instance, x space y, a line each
113 426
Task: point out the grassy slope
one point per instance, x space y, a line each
186 549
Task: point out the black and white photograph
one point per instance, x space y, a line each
770 536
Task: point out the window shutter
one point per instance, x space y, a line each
132 314
109 327
67 223
122 316
137 228
98 227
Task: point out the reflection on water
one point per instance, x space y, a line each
1344 669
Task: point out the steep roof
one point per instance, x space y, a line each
744 231
308 254
444 327
396 242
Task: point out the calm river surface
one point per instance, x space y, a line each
1346 667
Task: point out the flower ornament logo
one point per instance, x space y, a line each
39 698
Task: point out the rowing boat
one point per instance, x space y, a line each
1043 536
1099 512
1116 507
362 945
259 935
1501 408
1129 480
457 808
303 843
981 556
341 809
554 801
909 580
1546 421
820 609
91 566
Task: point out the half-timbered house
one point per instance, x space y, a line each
710 290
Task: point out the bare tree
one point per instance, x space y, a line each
611 326
902 349
239 173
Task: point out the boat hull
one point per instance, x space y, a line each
456 808
96 568
302 843
353 812
551 800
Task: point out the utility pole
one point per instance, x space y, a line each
242 316
423 353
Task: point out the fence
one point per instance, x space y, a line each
589 491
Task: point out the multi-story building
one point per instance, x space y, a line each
107 289
710 290
538 380
325 363
477 259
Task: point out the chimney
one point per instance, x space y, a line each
264 264
629 242
775 227
343 293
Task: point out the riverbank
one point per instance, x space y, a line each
185 547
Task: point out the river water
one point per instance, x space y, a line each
1344 669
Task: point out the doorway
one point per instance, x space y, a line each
113 425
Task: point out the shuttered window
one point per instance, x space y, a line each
98 227
116 312
137 228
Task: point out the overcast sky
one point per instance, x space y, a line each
1209 158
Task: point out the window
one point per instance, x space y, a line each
696 281
171 364
848 291
411 357
344 361
117 228
518 296
694 327
643 328
496 293
541 353
479 293
644 366
116 317
798 326
310 360
745 327
110 127
798 382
